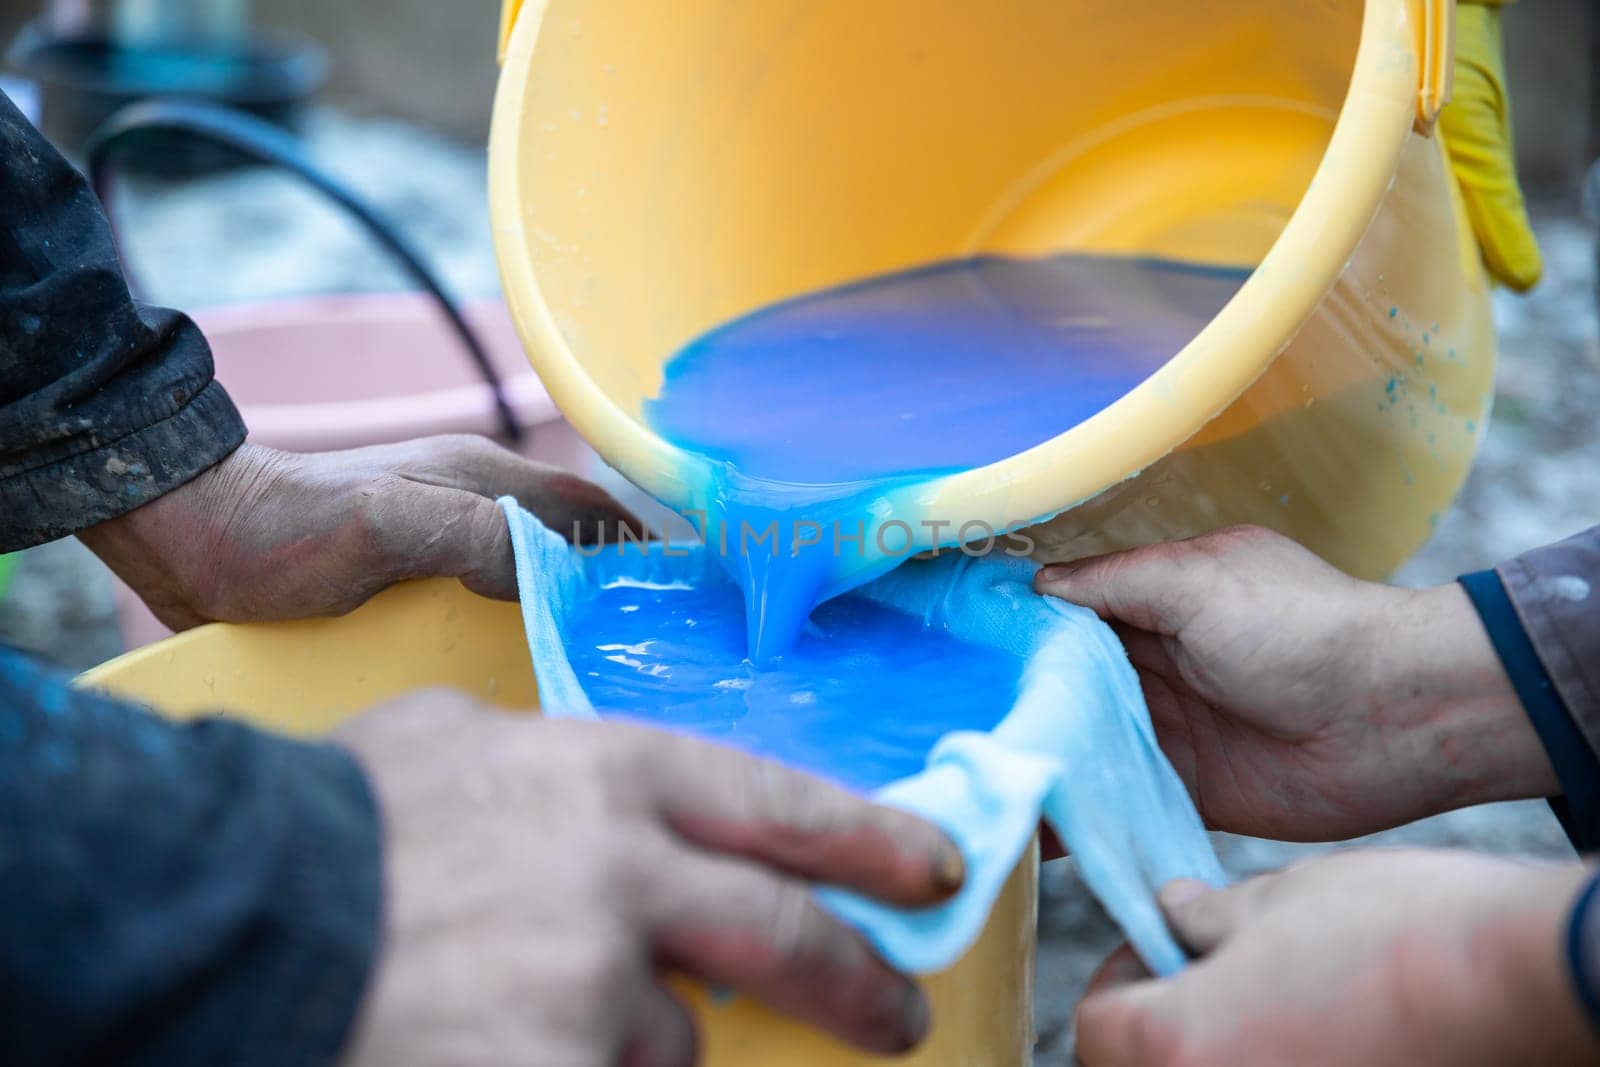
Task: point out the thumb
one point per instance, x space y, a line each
433 531
1114 1021
1156 588
1203 917
574 508
1476 126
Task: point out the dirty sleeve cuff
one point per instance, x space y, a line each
1575 763
78 491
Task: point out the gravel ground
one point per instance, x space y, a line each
251 235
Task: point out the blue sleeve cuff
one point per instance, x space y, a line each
1583 950
1574 761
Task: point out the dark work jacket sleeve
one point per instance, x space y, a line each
175 893
105 404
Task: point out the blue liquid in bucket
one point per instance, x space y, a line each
932 371
820 408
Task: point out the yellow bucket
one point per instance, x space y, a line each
307 677
657 169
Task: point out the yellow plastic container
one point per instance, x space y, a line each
657 169
307 677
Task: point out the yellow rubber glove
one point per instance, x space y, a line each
1476 127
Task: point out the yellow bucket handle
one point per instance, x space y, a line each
1436 52
509 10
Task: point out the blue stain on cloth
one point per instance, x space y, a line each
1077 746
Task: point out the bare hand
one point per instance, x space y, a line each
278 535
543 877
1301 704
1374 957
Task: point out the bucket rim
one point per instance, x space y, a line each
1150 421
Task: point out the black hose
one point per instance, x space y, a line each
265 143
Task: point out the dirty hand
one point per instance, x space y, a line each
1375 957
544 876
1476 126
1301 704
278 535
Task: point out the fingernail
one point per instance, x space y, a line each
1057 572
1178 893
915 1017
949 869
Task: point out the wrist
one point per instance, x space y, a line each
165 550
1441 683
161 521
131 545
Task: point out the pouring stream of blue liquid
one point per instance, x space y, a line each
811 409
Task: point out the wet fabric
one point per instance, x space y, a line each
1075 745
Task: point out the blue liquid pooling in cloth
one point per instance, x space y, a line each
1075 745
831 407
863 680
947 686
